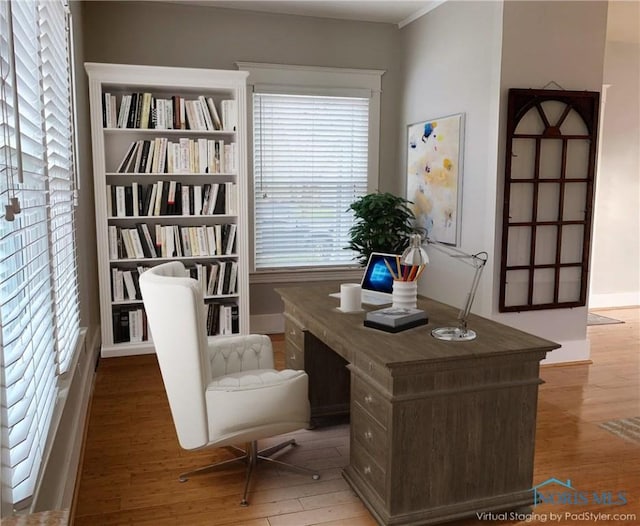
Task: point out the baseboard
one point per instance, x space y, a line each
56 486
267 323
571 351
567 364
621 299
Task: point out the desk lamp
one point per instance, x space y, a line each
416 255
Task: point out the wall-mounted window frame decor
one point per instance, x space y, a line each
548 198
434 176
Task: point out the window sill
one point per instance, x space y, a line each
306 275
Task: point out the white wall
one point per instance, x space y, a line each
615 277
463 57
561 41
451 65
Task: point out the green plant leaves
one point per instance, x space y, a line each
383 223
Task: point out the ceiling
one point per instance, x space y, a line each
399 12
623 22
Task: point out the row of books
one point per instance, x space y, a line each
171 241
143 110
166 198
125 283
217 278
222 319
129 325
184 156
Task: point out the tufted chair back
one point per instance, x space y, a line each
175 311
230 355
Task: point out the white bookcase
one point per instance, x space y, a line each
110 146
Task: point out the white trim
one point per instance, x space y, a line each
267 323
318 80
311 76
616 299
305 275
60 466
168 78
571 351
420 13
363 93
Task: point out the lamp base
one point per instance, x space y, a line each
453 334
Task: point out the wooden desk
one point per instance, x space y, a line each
439 430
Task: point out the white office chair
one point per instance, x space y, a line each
221 390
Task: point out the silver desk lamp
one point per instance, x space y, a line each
416 255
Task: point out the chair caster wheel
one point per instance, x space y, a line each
244 503
315 477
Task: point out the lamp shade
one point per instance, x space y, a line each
415 255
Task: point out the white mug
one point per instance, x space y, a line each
350 297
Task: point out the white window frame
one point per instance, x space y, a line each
313 80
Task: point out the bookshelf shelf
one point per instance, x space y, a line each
159 92
164 260
164 132
206 297
208 217
169 176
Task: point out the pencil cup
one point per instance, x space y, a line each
405 294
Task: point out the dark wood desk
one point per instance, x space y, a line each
439 430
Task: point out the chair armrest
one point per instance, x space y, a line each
234 354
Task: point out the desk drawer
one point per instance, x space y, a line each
369 433
293 332
367 468
377 372
370 400
294 356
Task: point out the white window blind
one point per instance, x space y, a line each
57 97
309 163
38 298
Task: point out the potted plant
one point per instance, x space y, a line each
383 223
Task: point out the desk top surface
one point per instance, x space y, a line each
318 310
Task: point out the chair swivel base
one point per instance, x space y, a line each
250 457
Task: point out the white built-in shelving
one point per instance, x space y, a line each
111 143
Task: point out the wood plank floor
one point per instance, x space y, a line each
132 459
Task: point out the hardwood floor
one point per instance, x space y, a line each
132 458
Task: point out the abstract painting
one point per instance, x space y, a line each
434 176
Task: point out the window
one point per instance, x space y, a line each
39 316
309 165
315 150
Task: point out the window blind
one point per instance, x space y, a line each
38 299
309 165
57 96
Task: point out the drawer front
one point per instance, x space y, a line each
371 435
367 468
369 399
377 372
293 332
294 356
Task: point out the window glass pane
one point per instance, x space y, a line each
310 164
